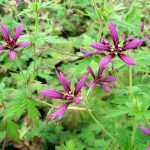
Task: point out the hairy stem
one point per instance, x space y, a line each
131 97
36 16
95 119
130 81
100 22
69 108
4 144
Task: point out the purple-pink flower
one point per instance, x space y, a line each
105 48
148 148
11 43
99 80
69 95
147 132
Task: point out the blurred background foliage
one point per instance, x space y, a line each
58 29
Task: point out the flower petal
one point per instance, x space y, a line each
63 81
114 34
52 94
127 59
5 32
59 112
107 59
78 99
12 55
101 46
80 84
145 130
90 70
17 32
92 84
133 44
109 79
106 87
87 53
1 49
148 148
23 44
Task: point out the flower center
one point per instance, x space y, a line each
11 45
69 95
98 80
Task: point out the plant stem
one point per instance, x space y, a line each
70 107
36 18
131 96
133 135
36 13
130 81
95 119
4 144
100 31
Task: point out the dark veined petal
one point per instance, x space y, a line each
23 44
50 93
107 59
12 55
5 32
127 59
63 81
100 46
17 32
109 79
128 39
59 112
80 84
87 53
78 99
145 130
114 34
106 87
133 44
90 70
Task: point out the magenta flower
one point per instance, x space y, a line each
104 47
148 148
99 80
69 96
100 48
146 130
11 43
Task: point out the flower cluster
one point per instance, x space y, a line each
73 95
99 80
11 44
147 132
69 95
111 51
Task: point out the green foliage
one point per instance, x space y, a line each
57 30
12 130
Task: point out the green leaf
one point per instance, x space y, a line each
33 112
15 109
2 135
117 113
12 130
